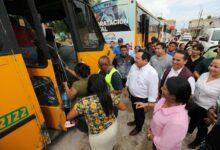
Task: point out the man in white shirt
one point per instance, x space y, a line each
142 83
179 69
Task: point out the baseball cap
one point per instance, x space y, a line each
120 40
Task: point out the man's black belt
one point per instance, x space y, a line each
138 98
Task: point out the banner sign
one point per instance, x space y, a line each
111 16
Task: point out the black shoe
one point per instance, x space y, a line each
190 130
194 144
131 123
134 132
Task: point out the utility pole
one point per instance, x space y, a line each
197 29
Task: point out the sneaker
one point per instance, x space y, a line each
70 124
134 132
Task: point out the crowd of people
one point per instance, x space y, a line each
175 80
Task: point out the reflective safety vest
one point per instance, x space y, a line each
108 78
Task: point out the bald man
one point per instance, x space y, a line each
112 76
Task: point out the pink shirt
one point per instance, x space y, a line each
169 126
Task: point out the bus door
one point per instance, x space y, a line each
27 27
22 125
87 37
145 29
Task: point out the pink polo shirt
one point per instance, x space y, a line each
169 126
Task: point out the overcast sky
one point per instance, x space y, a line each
182 10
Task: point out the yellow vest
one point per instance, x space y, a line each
108 78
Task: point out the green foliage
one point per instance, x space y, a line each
59 26
209 17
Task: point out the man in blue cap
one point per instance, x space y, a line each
116 50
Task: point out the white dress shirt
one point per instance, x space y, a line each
175 73
206 93
143 82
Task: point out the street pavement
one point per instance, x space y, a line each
77 140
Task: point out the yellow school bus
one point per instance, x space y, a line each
32 72
126 19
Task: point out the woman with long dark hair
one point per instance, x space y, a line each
98 112
79 88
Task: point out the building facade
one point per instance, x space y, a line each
196 26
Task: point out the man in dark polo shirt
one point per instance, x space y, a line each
123 63
203 65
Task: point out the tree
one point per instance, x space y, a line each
209 17
59 26
160 18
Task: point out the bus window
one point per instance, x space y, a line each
61 37
88 30
61 49
139 20
154 25
7 41
27 41
143 24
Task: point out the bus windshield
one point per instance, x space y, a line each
89 34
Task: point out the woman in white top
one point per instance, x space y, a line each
206 93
